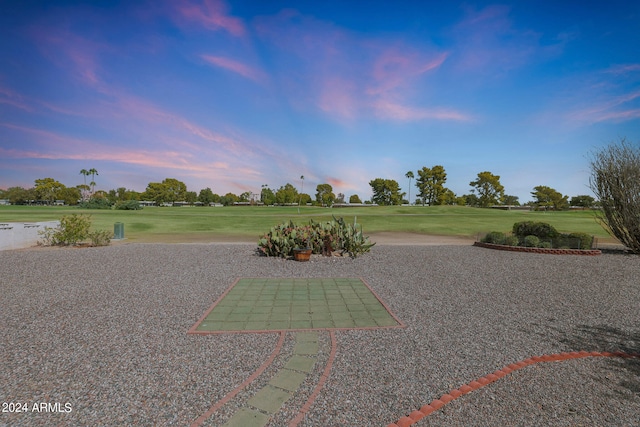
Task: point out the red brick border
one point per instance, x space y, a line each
539 250
436 404
202 418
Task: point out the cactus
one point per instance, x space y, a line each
334 235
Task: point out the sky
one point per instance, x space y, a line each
237 94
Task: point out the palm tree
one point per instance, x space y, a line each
410 176
93 172
86 173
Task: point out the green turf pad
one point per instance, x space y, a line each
281 304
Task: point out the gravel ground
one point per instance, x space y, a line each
104 330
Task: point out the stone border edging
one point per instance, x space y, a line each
552 251
436 404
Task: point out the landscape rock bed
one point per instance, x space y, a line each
552 251
105 329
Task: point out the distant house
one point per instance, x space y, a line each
5 202
59 203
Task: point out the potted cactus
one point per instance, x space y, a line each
303 253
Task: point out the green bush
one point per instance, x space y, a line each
511 241
542 230
73 229
325 237
495 237
96 203
545 245
586 240
100 238
531 241
128 205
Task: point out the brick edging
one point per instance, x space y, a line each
436 404
591 252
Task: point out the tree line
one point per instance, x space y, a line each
486 191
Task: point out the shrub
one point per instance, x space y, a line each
73 229
542 230
128 205
531 241
586 240
335 235
96 203
495 237
511 241
545 245
615 180
100 238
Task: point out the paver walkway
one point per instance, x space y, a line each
303 308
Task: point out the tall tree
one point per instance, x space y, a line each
430 184
355 199
410 175
386 191
287 194
85 188
19 195
206 196
267 196
490 191
93 172
548 197
324 194
168 191
511 200
48 189
582 200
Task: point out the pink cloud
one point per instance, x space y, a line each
9 97
609 110
390 110
394 68
235 66
335 182
338 97
348 75
71 52
213 15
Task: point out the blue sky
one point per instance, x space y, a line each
232 95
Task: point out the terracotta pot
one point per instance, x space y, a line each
302 254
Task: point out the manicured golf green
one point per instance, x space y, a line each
269 304
185 224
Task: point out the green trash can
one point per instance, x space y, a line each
118 230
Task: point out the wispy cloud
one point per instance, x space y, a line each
624 69
10 97
234 66
69 51
487 43
349 75
616 109
386 109
211 14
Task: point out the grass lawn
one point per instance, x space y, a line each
245 222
